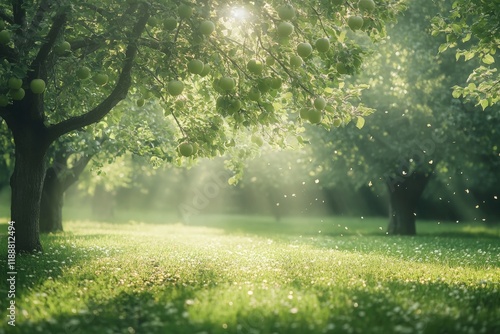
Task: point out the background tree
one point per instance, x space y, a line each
50 49
114 136
419 131
472 28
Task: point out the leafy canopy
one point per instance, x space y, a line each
214 68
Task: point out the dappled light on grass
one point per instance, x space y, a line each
147 278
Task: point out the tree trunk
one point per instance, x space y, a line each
403 198
58 179
51 203
26 183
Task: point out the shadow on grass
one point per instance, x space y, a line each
400 307
60 254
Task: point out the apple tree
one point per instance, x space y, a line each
66 65
472 29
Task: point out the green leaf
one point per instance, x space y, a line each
469 55
457 93
342 36
484 103
443 48
471 86
456 28
488 59
360 122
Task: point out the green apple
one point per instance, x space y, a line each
4 37
101 79
270 61
341 68
180 103
170 23
195 66
257 140
255 66
264 85
17 94
221 102
227 83
295 61
285 29
206 27
206 70
4 101
304 113
185 149
140 102
319 103
366 5
37 86
254 94
304 49
286 12
275 83
15 83
83 73
355 22
62 48
233 105
217 87
153 21
185 11
322 44
175 87
315 116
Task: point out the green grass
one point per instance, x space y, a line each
246 274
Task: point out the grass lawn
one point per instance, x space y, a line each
224 274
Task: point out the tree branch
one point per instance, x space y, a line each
119 92
34 27
286 69
74 173
19 12
41 57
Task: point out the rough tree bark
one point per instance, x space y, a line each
403 198
26 183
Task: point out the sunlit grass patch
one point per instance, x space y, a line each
148 278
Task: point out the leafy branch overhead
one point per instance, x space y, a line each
218 65
472 29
